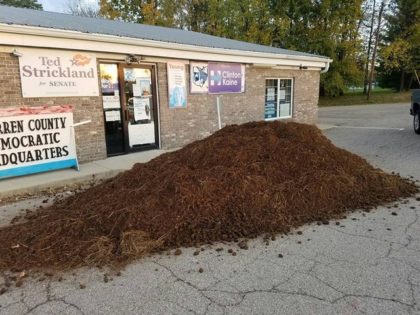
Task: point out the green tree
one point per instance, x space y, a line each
30 4
138 11
323 27
370 9
400 52
243 20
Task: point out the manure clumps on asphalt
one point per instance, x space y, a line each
243 181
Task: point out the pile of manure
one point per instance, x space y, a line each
241 182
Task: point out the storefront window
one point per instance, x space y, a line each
278 98
110 89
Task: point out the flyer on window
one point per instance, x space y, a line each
141 108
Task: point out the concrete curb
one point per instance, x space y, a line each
325 126
58 184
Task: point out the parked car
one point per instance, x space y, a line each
415 110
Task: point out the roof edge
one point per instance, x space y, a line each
70 34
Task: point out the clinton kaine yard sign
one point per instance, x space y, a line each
54 73
36 139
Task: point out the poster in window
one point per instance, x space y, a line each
284 109
136 90
109 79
129 74
142 87
177 85
109 86
199 77
112 115
271 96
282 94
111 101
270 110
141 108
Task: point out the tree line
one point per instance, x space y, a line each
366 43
327 28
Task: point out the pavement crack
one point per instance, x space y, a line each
366 296
71 305
416 219
413 295
285 292
50 299
189 284
325 283
365 237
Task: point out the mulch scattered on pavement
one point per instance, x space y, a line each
54 193
243 181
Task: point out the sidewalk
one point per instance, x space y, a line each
109 167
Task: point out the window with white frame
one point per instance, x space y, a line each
278 98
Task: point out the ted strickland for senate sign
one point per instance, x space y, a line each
49 73
36 139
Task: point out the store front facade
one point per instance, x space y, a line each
134 95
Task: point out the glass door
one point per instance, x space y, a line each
139 107
110 88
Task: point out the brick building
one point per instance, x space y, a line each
142 99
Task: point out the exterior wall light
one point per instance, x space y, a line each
16 53
132 59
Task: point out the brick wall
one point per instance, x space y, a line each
199 119
177 126
90 138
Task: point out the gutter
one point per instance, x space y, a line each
327 67
56 33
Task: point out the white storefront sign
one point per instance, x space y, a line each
36 139
54 73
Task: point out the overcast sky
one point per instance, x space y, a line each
59 5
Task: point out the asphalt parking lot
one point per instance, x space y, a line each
368 263
383 134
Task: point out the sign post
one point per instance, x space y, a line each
73 138
219 118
